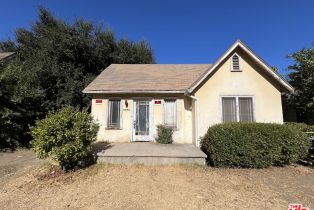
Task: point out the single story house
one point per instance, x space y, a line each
130 100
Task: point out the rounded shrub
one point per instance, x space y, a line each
253 145
65 136
164 134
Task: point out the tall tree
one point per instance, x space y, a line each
302 79
55 60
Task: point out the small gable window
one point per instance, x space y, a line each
235 63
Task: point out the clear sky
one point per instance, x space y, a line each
186 31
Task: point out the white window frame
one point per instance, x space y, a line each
237 105
108 110
176 127
231 63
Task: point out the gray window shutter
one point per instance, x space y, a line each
229 109
245 109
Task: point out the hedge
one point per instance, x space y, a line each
307 129
254 145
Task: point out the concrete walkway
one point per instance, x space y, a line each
149 153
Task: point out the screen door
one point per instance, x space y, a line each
142 120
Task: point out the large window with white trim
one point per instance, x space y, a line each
114 113
170 113
237 109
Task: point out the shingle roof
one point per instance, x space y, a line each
5 54
146 78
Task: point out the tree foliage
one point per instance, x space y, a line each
302 79
55 60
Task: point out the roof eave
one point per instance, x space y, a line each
132 91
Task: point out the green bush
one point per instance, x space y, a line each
307 129
253 145
164 134
65 136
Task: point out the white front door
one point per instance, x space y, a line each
142 120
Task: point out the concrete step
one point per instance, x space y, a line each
151 160
151 154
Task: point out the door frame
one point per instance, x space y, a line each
149 137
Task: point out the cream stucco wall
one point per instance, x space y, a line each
249 82
99 111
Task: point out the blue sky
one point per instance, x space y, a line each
186 31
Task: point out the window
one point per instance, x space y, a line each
237 109
114 113
170 113
245 109
229 111
235 63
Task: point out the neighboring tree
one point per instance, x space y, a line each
55 60
301 78
274 68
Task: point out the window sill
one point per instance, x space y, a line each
173 128
113 128
234 70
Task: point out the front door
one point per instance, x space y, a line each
142 120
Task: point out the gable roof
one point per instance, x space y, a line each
262 63
146 78
4 55
168 78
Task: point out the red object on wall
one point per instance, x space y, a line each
157 102
98 101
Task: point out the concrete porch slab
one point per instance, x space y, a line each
149 153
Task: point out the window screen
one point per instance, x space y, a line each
245 109
235 63
229 109
114 114
170 113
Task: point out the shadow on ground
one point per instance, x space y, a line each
100 146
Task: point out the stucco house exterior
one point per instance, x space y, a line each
130 100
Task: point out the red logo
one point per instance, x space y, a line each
297 207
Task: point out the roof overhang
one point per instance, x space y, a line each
134 91
262 63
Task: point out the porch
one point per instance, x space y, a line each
149 153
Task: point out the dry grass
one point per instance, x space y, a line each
175 187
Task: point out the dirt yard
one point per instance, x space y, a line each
31 185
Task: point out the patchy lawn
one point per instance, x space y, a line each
165 187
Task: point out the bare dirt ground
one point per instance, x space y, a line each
31 186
